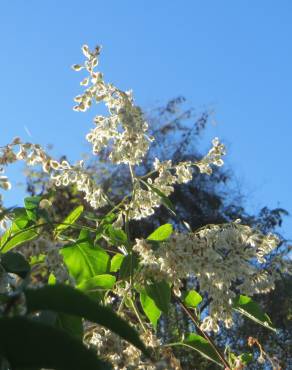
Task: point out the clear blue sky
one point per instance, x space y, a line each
232 56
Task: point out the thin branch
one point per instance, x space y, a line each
193 317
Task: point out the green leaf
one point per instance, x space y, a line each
71 324
117 236
249 308
160 293
149 307
15 263
202 346
29 344
32 202
74 302
20 222
129 264
162 233
84 260
116 262
52 280
105 281
31 206
192 299
69 220
20 237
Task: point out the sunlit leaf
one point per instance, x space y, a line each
116 262
105 281
69 220
149 307
17 239
84 260
162 233
192 299
160 292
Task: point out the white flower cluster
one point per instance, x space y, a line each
53 259
145 201
226 259
124 356
214 157
125 129
65 174
61 173
32 154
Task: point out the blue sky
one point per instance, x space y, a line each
231 56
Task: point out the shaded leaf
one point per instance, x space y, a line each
71 324
76 303
129 264
29 344
15 263
249 308
202 346
117 236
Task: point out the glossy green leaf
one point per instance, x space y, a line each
69 220
202 346
149 307
160 292
17 239
116 262
162 233
29 344
84 260
192 299
15 263
249 308
76 303
105 281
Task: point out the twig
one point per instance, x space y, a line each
195 320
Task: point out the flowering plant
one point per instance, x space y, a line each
86 279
